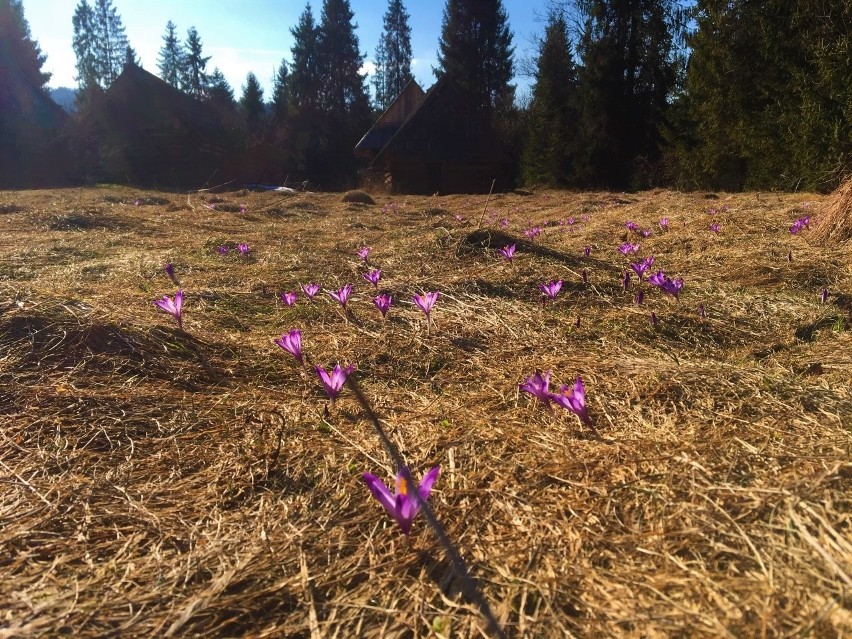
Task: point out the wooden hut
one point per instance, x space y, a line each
144 131
441 146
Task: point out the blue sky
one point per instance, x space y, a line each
254 35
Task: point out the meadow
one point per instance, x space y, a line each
166 481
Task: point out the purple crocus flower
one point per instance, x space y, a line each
425 302
383 303
587 251
508 252
672 287
801 223
627 248
715 227
631 226
701 312
550 289
335 381
292 343
664 223
824 295
310 290
626 282
373 276
243 248
401 504
504 223
223 250
640 297
342 295
173 307
573 399
646 232
640 267
364 252
538 386
533 232
170 271
657 279
242 208
653 319
289 297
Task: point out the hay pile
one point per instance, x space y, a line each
834 225
164 483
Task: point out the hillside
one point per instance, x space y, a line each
163 482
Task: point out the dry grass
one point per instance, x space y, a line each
158 482
834 225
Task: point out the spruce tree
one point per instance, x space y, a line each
195 80
625 82
305 81
549 144
343 89
781 120
170 62
83 44
476 51
19 53
251 103
393 55
110 43
281 93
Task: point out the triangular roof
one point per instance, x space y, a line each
442 128
392 118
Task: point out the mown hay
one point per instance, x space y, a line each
357 197
834 223
157 482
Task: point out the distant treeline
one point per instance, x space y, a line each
627 94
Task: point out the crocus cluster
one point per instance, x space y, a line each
667 284
627 248
569 398
243 248
800 224
631 226
402 505
364 252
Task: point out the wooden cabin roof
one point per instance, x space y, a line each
381 132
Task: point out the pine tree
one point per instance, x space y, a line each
170 62
549 147
625 82
83 44
393 55
476 51
19 53
379 79
251 103
109 43
783 119
195 80
305 81
343 88
281 93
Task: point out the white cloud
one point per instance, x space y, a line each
368 67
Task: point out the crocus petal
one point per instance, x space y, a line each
426 483
380 492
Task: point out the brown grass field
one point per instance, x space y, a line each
164 483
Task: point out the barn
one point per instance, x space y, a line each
145 132
433 143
